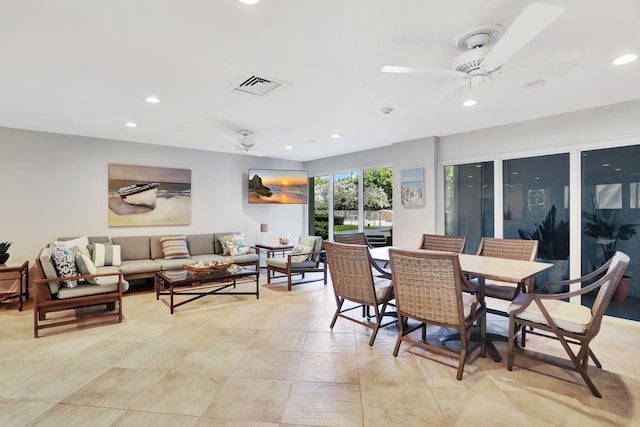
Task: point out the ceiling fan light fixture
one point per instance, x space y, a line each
625 59
288 147
130 125
152 99
469 102
336 135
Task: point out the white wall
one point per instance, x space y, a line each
410 222
56 185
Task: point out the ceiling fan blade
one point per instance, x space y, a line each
531 22
451 91
554 70
423 71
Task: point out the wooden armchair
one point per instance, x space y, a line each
50 296
290 266
550 316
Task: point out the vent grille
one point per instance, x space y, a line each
258 86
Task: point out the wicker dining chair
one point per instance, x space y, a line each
551 316
352 279
428 288
435 242
351 238
523 250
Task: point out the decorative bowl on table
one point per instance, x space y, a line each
209 266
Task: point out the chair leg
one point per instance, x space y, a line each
512 338
595 359
268 275
462 359
402 320
339 302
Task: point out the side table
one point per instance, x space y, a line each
15 272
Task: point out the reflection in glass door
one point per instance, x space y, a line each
469 202
319 224
536 206
611 220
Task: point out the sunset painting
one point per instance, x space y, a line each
278 186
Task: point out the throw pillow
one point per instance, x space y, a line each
237 245
81 243
175 247
103 254
65 263
85 266
300 249
224 241
308 241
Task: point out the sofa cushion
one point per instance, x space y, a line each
133 247
137 266
282 263
246 259
209 257
84 290
111 280
174 264
174 247
85 266
81 243
103 254
49 269
65 262
200 244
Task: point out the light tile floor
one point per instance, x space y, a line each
238 361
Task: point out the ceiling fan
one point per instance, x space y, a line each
245 144
487 47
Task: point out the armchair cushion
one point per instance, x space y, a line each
281 263
570 317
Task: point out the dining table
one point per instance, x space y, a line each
484 267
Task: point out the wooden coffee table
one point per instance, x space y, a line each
202 283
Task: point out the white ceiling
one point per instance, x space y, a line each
84 67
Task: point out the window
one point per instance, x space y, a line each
345 201
378 203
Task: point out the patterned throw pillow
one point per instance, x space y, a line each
175 247
237 245
103 254
65 263
224 241
80 244
300 249
85 266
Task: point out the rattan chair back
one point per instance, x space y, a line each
428 288
523 250
435 242
350 272
351 239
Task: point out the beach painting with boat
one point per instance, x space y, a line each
278 186
148 196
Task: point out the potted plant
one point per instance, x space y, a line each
4 255
553 245
605 226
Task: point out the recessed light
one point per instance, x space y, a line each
469 102
130 124
625 59
288 147
617 169
249 1
336 135
152 99
605 165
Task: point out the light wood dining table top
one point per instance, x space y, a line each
502 269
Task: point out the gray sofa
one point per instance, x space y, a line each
141 257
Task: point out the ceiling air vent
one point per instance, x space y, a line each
257 85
